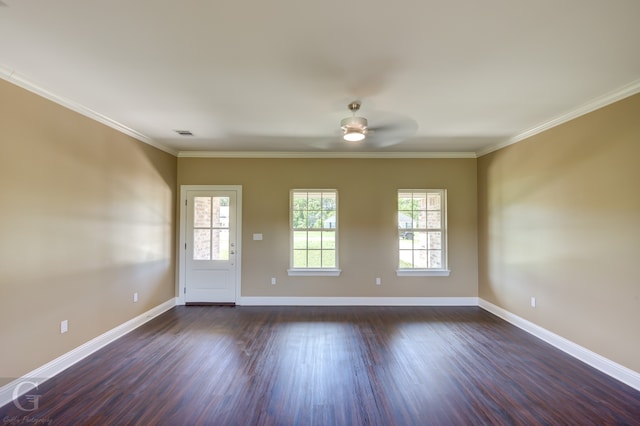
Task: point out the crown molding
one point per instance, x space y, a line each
294 154
18 80
595 104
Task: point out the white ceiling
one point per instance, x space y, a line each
458 76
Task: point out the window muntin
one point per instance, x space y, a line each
422 230
314 225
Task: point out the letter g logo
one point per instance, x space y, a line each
33 399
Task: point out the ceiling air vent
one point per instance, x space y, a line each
184 132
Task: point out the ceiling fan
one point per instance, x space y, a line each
390 129
354 129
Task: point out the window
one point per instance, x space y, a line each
210 228
314 232
422 232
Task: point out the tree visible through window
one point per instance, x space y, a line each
314 224
422 229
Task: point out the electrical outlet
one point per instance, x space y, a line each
64 326
273 281
533 302
378 281
135 297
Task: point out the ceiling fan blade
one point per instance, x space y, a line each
390 129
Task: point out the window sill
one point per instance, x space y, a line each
314 272
422 272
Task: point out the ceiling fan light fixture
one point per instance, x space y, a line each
353 135
354 129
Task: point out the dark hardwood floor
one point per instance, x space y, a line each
330 366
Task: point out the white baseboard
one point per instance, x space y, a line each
358 301
27 382
613 369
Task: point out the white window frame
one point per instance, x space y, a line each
424 272
334 271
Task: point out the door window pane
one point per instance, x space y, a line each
201 244
220 244
202 212
220 212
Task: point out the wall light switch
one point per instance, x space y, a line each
273 281
135 297
378 281
64 326
257 237
533 302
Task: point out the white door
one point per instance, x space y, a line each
211 269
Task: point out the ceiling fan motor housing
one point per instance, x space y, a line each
354 124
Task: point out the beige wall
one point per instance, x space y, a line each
367 191
87 219
559 219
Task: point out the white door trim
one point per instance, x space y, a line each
182 235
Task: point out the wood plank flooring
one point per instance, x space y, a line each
330 366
